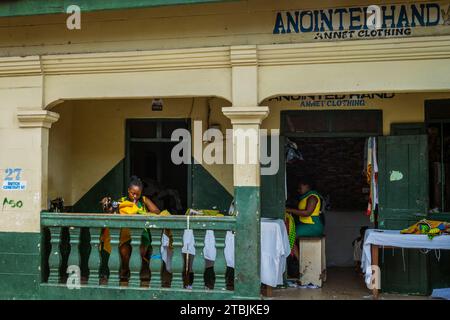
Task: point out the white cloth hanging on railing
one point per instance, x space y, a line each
210 251
229 249
166 252
188 242
275 249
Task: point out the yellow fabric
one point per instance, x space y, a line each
290 224
105 241
414 229
302 206
128 208
165 213
204 212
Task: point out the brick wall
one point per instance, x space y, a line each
336 165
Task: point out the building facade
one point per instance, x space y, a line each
74 101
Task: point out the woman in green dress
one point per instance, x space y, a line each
144 205
306 215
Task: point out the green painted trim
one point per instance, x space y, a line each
61 292
19 265
110 185
39 7
49 219
247 242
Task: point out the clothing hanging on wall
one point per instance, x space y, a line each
371 172
293 153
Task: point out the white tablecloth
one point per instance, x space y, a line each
395 239
275 249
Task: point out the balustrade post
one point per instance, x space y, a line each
55 259
74 251
135 263
114 257
85 252
94 263
220 264
176 279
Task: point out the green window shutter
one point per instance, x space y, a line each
403 177
273 194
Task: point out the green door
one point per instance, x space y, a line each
403 177
403 200
273 187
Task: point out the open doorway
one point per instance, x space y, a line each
149 148
437 116
332 145
336 166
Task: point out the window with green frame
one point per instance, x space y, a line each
437 117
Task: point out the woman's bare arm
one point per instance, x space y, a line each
151 206
310 206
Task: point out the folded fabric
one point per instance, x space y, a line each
203 212
429 227
165 213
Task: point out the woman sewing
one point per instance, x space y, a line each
307 212
142 205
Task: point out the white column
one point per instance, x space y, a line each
29 160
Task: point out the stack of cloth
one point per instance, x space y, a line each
204 212
428 227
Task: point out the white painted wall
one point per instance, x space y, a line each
341 229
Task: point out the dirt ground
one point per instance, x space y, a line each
342 284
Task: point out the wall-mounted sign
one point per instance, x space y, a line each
334 100
157 104
352 23
12 180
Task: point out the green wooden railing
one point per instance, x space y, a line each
72 239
